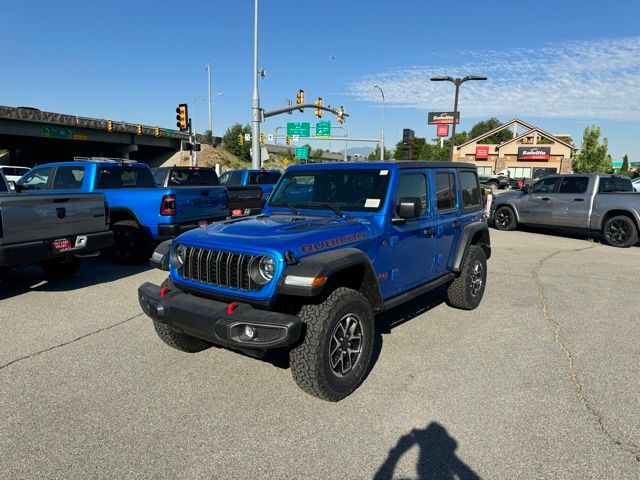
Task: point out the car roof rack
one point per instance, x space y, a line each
103 159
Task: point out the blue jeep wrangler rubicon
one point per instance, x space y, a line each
335 245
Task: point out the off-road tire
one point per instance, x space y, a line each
61 267
620 231
179 341
463 293
504 218
129 243
310 361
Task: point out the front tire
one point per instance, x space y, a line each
467 290
504 219
620 231
179 341
334 356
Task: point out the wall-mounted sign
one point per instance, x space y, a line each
534 153
442 118
442 130
482 152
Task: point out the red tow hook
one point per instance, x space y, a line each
232 306
164 291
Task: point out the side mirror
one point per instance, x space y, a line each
409 207
525 189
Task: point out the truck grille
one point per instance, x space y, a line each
218 268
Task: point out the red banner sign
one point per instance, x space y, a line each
534 153
442 130
482 153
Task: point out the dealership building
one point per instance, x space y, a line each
530 152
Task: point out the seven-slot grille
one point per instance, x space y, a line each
218 268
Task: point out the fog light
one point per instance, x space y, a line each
249 332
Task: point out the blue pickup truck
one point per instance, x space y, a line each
140 213
335 245
266 179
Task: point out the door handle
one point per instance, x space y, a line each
429 232
578 199
545 199
455 225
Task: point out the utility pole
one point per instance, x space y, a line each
208 68
255 137
382 137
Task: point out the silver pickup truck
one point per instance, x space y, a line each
51 230
603 203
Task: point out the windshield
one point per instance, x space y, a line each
357 190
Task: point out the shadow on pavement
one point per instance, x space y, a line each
436 458
93 271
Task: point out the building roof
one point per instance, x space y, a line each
497 129
539 130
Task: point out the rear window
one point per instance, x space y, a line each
470 190
263 178
124 176
445 191
615 184
192 177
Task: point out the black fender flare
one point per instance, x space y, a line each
473 233
126 211
328 264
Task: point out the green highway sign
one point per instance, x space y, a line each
302 129
55 132
302 152
323 129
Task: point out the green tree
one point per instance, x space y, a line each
485 126
316 154
625 166
375 155
593 157
230 141
207 137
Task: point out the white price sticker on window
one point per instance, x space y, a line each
384 172
372 203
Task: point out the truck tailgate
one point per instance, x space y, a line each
33 217
197 203
245 197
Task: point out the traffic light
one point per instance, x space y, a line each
263 138
109 126
138 129
319 103
156 131
182 117
341 114
300 97
240 139
288 140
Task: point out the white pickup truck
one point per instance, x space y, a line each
51 230
603 203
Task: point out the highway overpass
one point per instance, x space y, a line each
33 137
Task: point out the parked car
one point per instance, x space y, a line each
266 179
335 244
13 173
604 203
241 201
51 230
496 182
140 213
636 184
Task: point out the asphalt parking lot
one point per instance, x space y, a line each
541 381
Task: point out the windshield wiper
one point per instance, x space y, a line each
334 209
287 205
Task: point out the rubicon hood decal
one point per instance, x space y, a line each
332 242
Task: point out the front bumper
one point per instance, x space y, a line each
32 252
217 322
167 231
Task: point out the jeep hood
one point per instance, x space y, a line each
303 234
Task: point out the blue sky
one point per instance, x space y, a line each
558 65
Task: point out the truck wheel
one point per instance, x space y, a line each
505 219
168 335
61 267
620 231
466 291
333 359
129 242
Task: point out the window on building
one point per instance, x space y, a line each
413 185
574 185
445 191
520 172
485 171
470 190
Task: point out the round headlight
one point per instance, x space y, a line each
262 270
177 259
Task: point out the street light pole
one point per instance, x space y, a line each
457 82
208 68
255 137
382 136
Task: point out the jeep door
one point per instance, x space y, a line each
536 206
447 217
412 242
